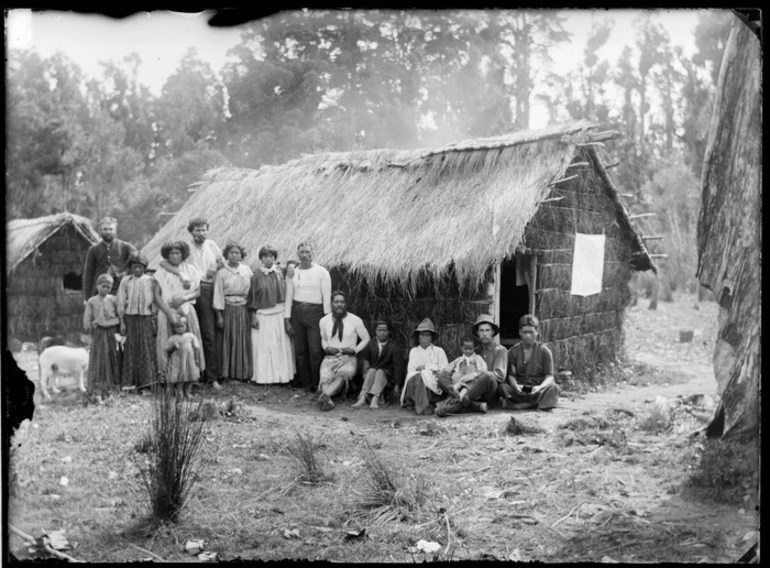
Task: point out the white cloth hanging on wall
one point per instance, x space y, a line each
587 265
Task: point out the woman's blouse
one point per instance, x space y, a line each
231 286
135 296
267 288
171 285
534 372
433 358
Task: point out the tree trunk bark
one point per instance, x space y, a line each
729 233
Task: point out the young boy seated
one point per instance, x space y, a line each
383 363
457 379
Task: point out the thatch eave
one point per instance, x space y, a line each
393 215
24 236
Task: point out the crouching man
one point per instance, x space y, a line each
343 336
530 382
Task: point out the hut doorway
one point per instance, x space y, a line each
515 295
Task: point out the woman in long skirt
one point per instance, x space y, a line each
272 347
137 311
231 290
174 300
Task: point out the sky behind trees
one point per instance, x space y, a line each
161 38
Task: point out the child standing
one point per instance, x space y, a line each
138 322
182 349
102 322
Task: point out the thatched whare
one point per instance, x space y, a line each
44 267
439 233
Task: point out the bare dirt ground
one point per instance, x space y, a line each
594 482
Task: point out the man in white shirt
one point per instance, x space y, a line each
308 299
343 336
207 257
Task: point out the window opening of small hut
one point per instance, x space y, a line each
72 282
514 298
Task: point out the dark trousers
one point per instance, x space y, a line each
543 400
482 389
207 321
307 343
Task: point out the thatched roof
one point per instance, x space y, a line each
25 235
393 214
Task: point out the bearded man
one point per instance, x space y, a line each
343 336
108 256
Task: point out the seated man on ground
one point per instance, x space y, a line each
383 363
530 382
343 336
466 380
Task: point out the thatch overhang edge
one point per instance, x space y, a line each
23 236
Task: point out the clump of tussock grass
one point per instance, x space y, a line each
172 455
303 453
205 411
389 495
726 471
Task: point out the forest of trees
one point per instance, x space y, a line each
310 81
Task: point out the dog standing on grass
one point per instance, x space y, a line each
55 359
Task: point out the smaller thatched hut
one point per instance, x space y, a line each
44 269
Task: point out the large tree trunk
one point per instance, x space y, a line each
729 238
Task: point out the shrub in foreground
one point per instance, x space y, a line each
726 471
172 456
389 494
302 451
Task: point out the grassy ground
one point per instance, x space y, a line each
593 484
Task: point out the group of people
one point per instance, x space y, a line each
206 316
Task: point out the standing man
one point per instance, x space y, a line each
308 299
343 336
206 256
109 256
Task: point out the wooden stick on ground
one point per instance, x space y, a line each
31 540
568 515
147 551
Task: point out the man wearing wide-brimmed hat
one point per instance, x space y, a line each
137 312
426 361
484 389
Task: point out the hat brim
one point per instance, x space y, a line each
419 331
495 328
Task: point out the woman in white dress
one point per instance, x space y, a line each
271 346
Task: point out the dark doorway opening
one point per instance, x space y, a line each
514 297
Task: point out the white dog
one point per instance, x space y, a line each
59 360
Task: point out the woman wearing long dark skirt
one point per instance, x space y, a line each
231 290
138 323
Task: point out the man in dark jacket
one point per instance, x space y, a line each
383 366
109 256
